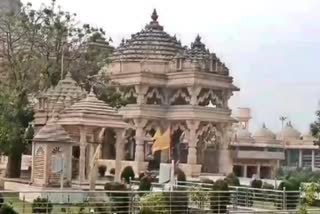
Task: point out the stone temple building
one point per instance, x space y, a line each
171 85
167 85
262 153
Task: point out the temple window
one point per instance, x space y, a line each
155 96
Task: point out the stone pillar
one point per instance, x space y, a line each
312 160
300 158
119 153
225 159
139 154
192 141
82 158
258 171
244 171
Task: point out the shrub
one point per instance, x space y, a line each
292 196
6 209
256 184
112 171
145 183
181 176
119 200
41 205
232 180
154 203
219 201
102 170
1 200
127 174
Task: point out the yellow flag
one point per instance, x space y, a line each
156 135
162 142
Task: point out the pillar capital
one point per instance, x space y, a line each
193 124
141 90
194 92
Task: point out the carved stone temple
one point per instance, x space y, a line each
168 85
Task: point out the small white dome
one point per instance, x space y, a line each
289 132
264 134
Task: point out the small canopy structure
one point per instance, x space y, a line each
52 149
90 114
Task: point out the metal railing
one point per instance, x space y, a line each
129 202
240 200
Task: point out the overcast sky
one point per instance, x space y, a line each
272 47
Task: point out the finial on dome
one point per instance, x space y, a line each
264 125
154 15
91 91
68 75
198 38
289 124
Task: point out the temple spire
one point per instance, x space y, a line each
154 15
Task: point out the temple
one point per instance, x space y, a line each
185 89
264 152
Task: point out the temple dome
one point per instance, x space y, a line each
67 91
289 132
52 132
93 112
264 134
151 43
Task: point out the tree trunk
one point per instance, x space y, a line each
14 166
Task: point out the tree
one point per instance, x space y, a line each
315 128
15 116
37 48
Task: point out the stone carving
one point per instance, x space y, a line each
210 96
155 96
180 96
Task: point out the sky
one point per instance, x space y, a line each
272 47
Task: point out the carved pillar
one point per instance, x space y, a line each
192 141
225 159
82 158
194 92
225 98
119 153
139 154
141 92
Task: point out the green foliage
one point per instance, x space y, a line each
315 128
153 203
218 200
120 200
232 180
256 183
145 183
199 196
41 205
102 170
7 209
127 174
15 117
112 171
181 176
